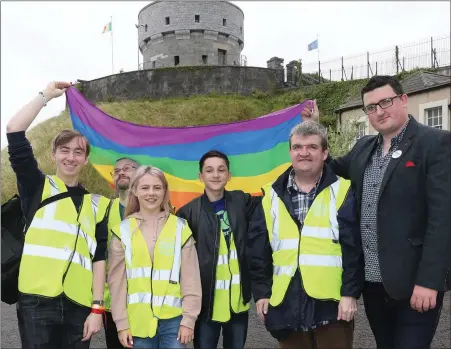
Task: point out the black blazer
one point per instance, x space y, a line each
414 208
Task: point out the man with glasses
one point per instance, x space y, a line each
402 182
121 174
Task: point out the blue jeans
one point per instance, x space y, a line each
234 332
48 323
166 337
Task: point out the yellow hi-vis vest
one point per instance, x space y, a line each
227 294
114 219
153 289
316 250
50 245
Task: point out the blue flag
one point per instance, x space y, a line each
313 45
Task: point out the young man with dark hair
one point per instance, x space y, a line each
402 181
62 270
219 221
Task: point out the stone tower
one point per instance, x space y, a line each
202 32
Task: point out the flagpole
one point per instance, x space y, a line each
317 44
112 61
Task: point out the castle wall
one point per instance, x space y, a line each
183 81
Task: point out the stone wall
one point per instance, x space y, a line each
182 81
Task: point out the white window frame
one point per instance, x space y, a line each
363 120
445 112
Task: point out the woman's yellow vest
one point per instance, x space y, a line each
114 219
51 243
227 294
153 288
315 250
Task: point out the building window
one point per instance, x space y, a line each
224 22
434 117
204 59
197 18
167 20
361 129
176 60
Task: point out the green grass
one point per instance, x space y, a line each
175 112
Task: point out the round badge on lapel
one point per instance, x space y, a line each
396 154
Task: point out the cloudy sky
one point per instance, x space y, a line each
45 41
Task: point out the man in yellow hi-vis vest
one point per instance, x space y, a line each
62 270
122 173
306 257
219 220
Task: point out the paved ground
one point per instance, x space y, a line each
257 337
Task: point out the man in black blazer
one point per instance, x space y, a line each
402 182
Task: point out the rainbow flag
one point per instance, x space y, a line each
108 28
257 149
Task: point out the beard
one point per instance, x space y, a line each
123 186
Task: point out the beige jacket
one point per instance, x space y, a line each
189 274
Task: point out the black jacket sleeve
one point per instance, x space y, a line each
24 164
251 203
353 276
435 257
260 256
102 240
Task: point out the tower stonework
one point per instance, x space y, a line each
190 33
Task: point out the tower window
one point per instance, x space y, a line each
167 20
204 59
176 60
224 22
197 18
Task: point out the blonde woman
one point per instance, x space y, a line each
154 275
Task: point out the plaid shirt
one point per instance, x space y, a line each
301 204
301 201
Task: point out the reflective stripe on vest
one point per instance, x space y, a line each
317 253
114 219
153 288
147 298
227 295
51 244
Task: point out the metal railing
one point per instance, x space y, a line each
430 53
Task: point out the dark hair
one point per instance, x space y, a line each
380 81
213 154
66 136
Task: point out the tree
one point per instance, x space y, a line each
343 138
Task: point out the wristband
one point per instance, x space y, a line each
43 97
95 306
97 311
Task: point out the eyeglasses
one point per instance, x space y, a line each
384 104
126 169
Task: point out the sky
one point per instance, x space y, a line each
46 41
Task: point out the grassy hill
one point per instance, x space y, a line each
195 110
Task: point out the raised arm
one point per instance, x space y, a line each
22 120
